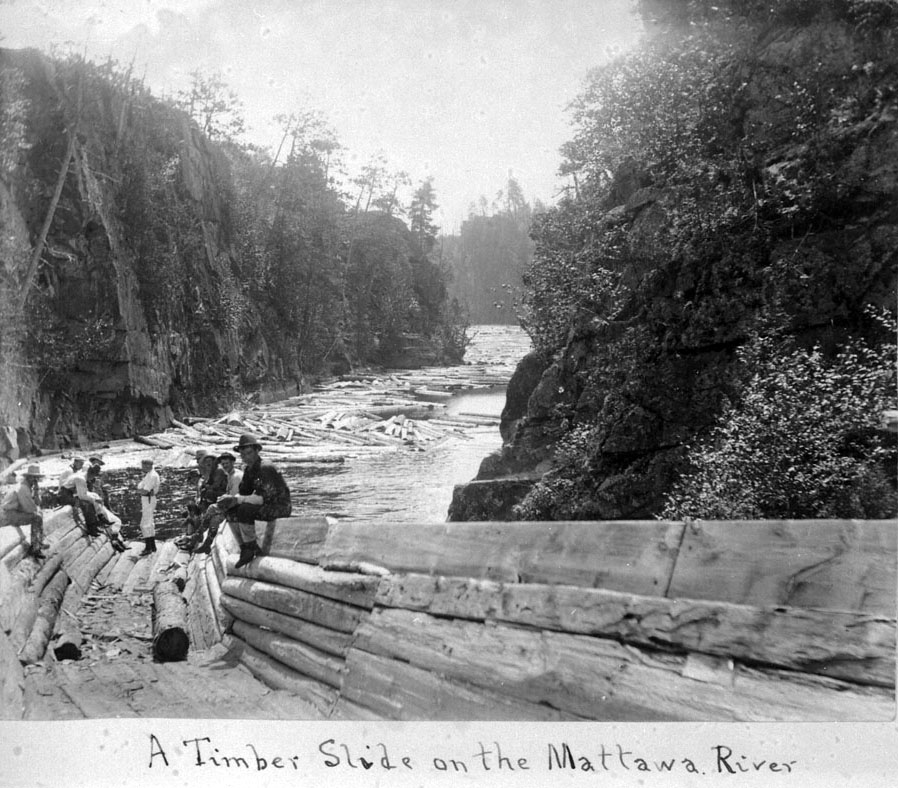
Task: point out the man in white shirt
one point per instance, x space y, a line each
21 506
77 465
226 460
148 489
75 491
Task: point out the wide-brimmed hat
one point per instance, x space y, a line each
34 470
95 459
226 455
247 439
199 454
78 458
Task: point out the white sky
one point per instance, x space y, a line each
465 91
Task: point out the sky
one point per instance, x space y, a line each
466 92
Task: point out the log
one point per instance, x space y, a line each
222 617
299 604
44 624
170 641
354 589
600 679
12 682
199 607
635 557
316 699
322 638
124 566
832 564
13 536
398 691
857 647
305 660
68 640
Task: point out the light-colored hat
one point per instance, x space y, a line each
199 454
34 470
78 458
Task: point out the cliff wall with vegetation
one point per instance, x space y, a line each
713 308
153 265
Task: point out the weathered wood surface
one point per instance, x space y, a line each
831 564
221 616
322 638
139 574
13 536
304 659
124 566
636 557
199 607
292 602
19 610
396 690
12 681
170 641
294 538
601 679
853 646
349 587
314 699
50 601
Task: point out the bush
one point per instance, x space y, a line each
804 441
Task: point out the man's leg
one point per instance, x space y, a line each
211 520
246 526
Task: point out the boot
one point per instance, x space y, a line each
206 546
149 546
35 552
248 552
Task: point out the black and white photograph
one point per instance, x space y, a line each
448 392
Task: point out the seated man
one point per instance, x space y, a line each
21 506
65 496
263 495
212 484
214 515
75 491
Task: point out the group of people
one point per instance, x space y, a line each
258 492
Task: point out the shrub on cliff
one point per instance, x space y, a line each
804 441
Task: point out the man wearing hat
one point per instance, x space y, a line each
215 515
77 465
94 479
148 489
262 495
21 506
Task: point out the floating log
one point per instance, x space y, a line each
170 641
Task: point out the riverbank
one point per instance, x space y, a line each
377 443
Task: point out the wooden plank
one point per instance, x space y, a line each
296 538
345 709
292 602
314 698
828 564
349 587
635 557
45 700
90 694
601 679
398 691
856 647
328 640
304 659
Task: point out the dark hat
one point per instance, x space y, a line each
247 439
226 455
34 471
95 460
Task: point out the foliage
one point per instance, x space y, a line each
213 105
803 441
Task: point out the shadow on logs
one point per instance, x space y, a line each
170 640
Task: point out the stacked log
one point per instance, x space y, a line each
625 621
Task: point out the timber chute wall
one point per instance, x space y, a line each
645 620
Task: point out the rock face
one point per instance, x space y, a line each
658 374
140 324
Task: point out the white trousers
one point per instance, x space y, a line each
147 508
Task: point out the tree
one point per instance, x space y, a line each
214 106
420 215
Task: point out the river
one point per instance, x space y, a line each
416 486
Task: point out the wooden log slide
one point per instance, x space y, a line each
170 641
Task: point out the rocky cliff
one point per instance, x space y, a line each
659 370
126 317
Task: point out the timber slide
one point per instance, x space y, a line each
623 621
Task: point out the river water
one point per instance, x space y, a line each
415 486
